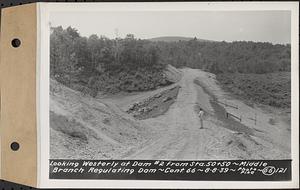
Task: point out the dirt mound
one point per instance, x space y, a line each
172 74
100 130
154 105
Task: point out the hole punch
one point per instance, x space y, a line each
14 146
15 42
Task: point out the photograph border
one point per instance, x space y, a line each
42 73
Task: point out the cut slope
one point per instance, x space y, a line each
83 127
154 106
172 74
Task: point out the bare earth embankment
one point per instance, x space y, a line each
101 128
178 135
83 128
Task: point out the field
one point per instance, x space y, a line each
273 89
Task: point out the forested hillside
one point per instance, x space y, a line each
259 72
98 64
223 57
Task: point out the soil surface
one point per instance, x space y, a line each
110 132
178 134
154 106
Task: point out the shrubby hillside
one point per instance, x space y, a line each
224 57
98 64
273 89
259 72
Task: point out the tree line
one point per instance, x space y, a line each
98 63
224 57
104 64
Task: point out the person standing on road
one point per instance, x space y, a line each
201 115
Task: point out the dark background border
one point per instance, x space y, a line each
5 185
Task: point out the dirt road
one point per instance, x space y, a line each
177 133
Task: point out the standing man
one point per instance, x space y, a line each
201 115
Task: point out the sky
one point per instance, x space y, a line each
258 26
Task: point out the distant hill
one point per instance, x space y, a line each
173 39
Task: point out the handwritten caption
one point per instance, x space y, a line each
158 169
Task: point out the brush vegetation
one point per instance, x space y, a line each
95 64
273 89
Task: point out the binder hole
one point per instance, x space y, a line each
14 146
15 42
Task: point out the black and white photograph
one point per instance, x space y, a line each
169 94
193 85
156 95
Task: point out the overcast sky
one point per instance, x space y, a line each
262 26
